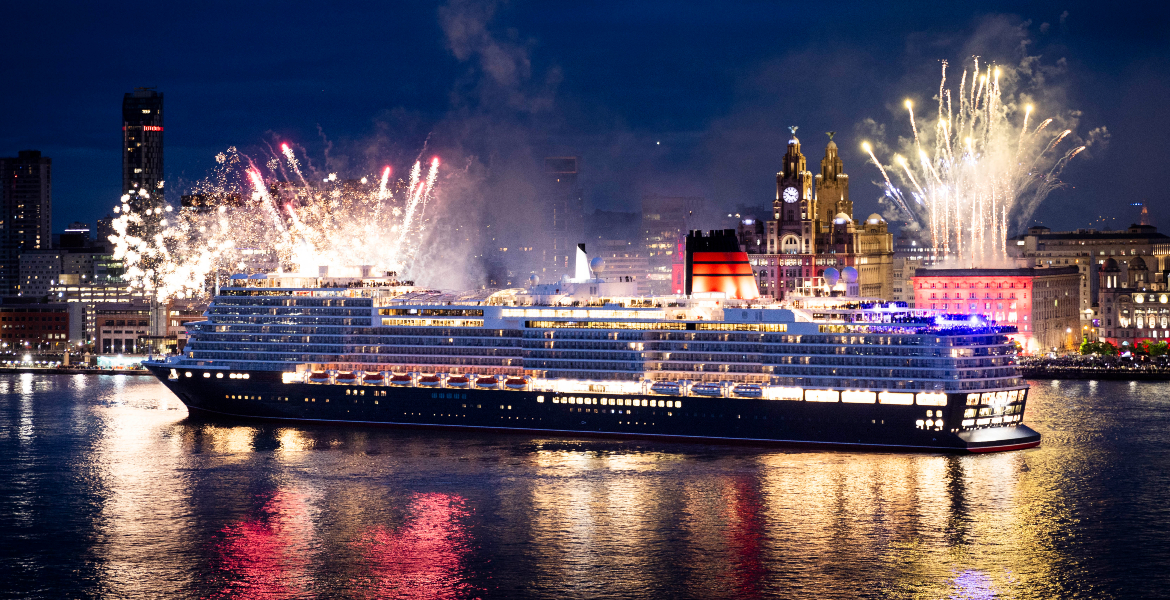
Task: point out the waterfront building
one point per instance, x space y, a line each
812 229
1087 250
26 212
34 326
1133 304
1042 303
120 327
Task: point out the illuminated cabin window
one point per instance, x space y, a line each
902 398
932 399
858 397
821 395
969 413
541 399
207 375
787 393
972 399
219 375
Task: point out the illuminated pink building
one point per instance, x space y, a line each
1040 303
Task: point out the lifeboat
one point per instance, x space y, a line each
373 379
458 381
666 387
403 379
428 380
707 389
319 377
487 382
347 378
748 390
516 383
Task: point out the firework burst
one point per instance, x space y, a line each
251 216
976 168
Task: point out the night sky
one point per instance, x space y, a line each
656 97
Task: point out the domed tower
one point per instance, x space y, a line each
1139 274
794 205
832 191
1109 274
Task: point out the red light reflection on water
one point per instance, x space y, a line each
271 556
267 557
745 539
423 557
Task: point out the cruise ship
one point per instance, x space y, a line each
589 356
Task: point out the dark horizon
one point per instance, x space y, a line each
682 100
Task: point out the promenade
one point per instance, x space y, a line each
1106 368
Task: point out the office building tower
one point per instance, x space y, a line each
665 224
142 148
566 214
26 209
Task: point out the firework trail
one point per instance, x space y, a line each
419 193
977 171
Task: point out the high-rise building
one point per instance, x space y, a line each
26 210
142 148
665 224
566 215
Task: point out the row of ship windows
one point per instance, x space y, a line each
450 345
298 301
221 323
434 336
383 350
332 358
991 411
901 384
290 311
614 401
686 362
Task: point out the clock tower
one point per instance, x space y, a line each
794 208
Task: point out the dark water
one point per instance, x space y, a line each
108 489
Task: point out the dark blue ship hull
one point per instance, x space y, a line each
264 395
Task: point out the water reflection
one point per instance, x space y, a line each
424 557
122 494
268 556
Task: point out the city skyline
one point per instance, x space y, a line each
501 87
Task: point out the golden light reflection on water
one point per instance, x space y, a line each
599 532
293 440
145 508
